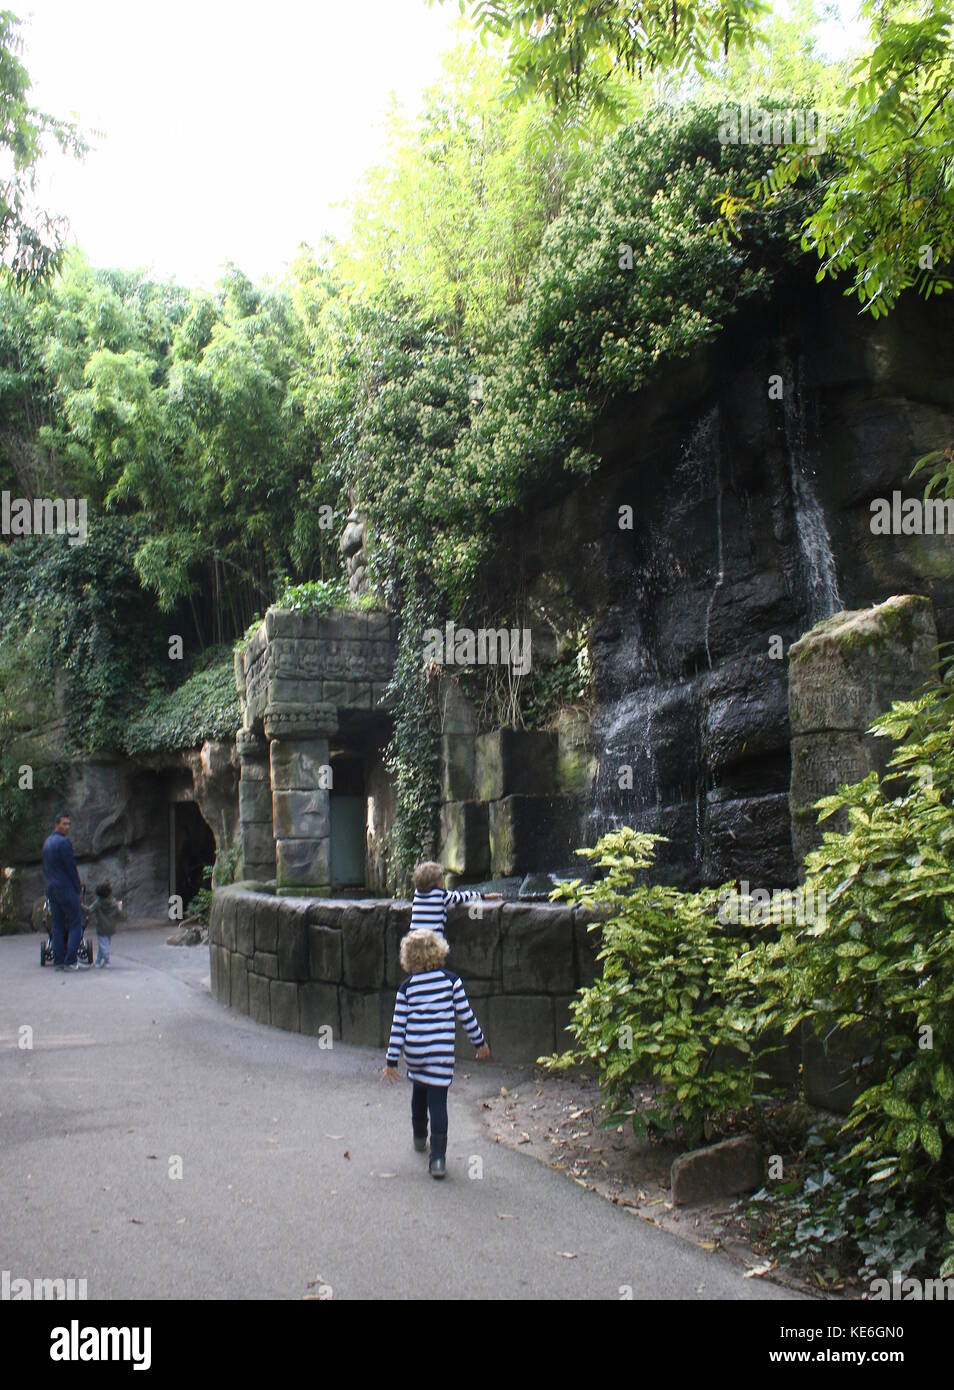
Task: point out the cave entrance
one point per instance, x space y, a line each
191 850
349 815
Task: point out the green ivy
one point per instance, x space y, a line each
205 706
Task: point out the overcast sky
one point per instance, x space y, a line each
221 129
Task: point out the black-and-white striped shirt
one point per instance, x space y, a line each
423 1027
429 909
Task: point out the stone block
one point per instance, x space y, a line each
215 920
258 1006
255 800
718 1171
537 950
457 767
561 1018
328 912
365 1017
465 848
258 843
238 982
293 942
362 945
301 815
226 903
303 864
219 973
512 762
834 1068
324 952
263 963
475 941
398 925
848 668
519 1028
319 1008
245 924
299 764
266 923
577 761
587 945
283 998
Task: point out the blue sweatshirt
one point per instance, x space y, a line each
59 867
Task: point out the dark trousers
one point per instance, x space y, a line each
67 918
430 1100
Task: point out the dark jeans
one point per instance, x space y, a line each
431 1099
67 918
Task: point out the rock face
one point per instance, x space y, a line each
721 527
119 811
842 675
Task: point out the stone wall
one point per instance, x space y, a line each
300 963
843 674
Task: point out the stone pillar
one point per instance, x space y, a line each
843 674
255 807
301 796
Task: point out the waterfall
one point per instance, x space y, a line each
817 560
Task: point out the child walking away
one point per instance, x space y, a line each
104 915
429 908
428 1001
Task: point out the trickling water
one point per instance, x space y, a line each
721 559
820 574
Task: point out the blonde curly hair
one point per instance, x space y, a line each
430 874
423 950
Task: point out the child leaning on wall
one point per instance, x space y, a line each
431 901
429 1000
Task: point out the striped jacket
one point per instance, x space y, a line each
423 1026
429 910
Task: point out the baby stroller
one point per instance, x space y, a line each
84 952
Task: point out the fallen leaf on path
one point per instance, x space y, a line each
507 1216
347 1154
134 1221
759 1271
708 1245
566 1254
524 1137
383 1175
504 1091
334 1136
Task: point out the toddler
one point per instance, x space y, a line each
429 908
428 1001
104 915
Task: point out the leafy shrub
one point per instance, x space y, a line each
206 705
667 1008
318 596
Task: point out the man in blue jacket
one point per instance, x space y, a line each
63 894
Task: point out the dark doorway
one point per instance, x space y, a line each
192 850
349 816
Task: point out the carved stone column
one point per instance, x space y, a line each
301 801
255 806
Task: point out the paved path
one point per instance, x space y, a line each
297 1163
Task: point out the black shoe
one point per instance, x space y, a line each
420 1143
437 1167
